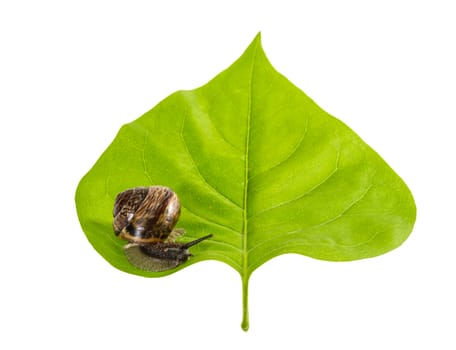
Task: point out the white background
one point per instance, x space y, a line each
72 73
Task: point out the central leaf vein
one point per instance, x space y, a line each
246 172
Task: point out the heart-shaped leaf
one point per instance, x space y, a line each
259 165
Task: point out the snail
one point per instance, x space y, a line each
145 217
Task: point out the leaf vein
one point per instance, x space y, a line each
226 244
351 205
287 157
144 158
217 128
308 192
210 221
337 217
202 177
272 253
236 107
220 257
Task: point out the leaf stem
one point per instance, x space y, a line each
245 303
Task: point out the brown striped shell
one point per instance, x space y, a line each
146 214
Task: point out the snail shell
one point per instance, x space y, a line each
146 214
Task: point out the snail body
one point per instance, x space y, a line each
146 217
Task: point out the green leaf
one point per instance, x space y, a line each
257 163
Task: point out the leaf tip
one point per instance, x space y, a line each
257 40
254 46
